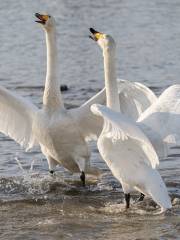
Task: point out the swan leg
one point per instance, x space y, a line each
81 162
127 199
52 163
83 178
127 189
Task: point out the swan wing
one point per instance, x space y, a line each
160 146
89 124
163 117
16 116
130 140
134 98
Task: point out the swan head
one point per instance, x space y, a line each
105 41
46 21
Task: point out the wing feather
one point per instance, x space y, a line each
16 116
89 124
119 128
134 99
160 122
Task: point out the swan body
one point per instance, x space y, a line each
130 156
61 141
54 127
127 151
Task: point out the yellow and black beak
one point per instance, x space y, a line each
95 34
42 18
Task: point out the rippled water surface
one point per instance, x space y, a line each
34 205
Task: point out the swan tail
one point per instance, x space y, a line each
158 191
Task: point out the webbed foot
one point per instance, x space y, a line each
141 198
51 172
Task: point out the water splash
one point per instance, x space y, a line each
32 165
19 164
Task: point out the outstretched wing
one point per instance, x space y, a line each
134 98
89 124
130 142
16 116
161 120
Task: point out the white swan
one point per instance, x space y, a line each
158 118
124 147
58 131
61 133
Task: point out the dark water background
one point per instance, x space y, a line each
35 205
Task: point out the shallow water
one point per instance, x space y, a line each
35 205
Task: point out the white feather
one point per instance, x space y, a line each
125 148
130 156
134 99
160 122
54 128
16 118
119 127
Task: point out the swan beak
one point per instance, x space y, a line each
95 34
42 18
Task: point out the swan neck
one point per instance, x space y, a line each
52 95
112 97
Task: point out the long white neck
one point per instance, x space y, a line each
112 98
52 98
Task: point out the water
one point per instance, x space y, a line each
35 205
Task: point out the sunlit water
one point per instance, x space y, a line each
35 205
